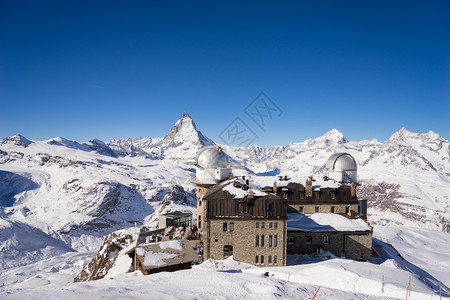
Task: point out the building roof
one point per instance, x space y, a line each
341 161
164 254
176 214
321 222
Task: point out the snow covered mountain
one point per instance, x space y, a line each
181 143
406 179
69 195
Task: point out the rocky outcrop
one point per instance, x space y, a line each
106 256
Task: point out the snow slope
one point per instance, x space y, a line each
228 279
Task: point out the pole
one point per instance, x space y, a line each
135 248
382 285
440 293
409 286
316 293
289 276
407 290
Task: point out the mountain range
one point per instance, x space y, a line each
60 194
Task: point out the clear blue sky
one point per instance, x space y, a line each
110 69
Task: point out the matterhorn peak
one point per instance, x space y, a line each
186 116
185 130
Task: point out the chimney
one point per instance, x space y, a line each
247 181
308 188
275 187
353 188
250 194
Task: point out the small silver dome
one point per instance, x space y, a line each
211 157
341 161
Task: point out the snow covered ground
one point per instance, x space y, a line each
426 253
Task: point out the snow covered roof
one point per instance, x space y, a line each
163 254
325 222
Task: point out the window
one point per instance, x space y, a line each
270 225
271 207
262 259
308 240
275 225
227 251
224 226
231 226
199 224
270 259
257 241
262 240
301 195
332 194
270 240
256 259
317 195
275 240
316 209
200 203
285 195
300 209
274 259
326 239
347 209
291 240
332 209
262 224
257 224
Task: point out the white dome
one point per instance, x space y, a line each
341 161
211 157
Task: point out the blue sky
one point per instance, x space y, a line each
94 69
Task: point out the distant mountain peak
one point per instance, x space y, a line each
334 135
18 140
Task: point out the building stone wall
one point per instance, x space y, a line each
243 240
355 245
323 208
201 207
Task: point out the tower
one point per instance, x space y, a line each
211 168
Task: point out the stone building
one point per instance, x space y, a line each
338 234
260 225
244 222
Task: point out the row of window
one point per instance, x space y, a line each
302 195
271 224
260 259
273 240
326 240
332 209
258 225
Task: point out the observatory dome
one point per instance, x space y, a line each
211 157
341 161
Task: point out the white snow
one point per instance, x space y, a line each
177 245
325 222
152 259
